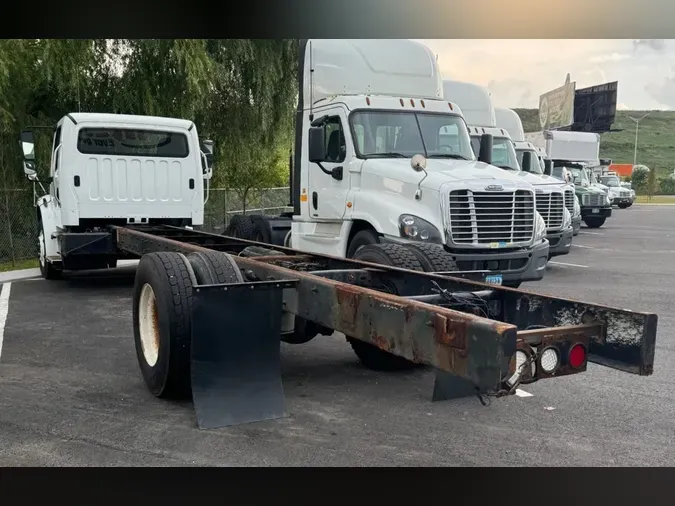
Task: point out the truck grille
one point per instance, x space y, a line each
551 207
624 193
594 200
481 218
569 200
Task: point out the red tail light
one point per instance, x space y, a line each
577 356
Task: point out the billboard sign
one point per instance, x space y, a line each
595 108
556 108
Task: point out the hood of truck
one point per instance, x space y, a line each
539 180
442 171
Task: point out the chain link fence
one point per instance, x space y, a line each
18 227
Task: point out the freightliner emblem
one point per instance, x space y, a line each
494 188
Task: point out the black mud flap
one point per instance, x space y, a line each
627 343
236 363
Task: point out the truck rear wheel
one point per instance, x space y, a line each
261 229
241 227
162 320
214 268
394 255
592 222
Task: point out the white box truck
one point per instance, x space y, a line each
577 152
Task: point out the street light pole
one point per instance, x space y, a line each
637 126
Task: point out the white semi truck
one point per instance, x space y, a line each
382 156
509 120
480 115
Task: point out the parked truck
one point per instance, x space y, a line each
209 311
476 105
575 151
538 161
378 114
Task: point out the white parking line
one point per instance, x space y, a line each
590 233
4 308
523 393
569 265
582 246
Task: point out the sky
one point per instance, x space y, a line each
518 71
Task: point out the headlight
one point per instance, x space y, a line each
577 207
417 229
567 219
539 227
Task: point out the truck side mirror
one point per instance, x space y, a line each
548 167
317 145
485 152
208 148
27 143
527 161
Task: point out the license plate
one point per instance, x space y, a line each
596 211
494 279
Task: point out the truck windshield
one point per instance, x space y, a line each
580 176
132 142
534 167
612 181
503 152
383 134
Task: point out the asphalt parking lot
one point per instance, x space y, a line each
71 392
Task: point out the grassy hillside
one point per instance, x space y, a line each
656 142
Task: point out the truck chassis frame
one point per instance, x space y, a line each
467 330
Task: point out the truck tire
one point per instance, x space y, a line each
241 227
395 255
162 320
262 231
594 222
434 258
214 268
623 206
47 269
362 238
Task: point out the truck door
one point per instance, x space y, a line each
327 195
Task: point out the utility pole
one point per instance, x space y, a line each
637 126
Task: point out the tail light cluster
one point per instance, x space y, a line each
548 360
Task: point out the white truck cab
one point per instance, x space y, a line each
114 169
481 116
537 164
382 156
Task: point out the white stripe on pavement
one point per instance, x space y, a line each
4 308
590 233
569 265
582 246
523 393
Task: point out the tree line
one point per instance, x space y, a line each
240 92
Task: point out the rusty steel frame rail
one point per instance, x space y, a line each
341 294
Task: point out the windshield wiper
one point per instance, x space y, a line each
387 155
448 155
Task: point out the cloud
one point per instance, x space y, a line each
511 92
663 91
655 44
610 58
